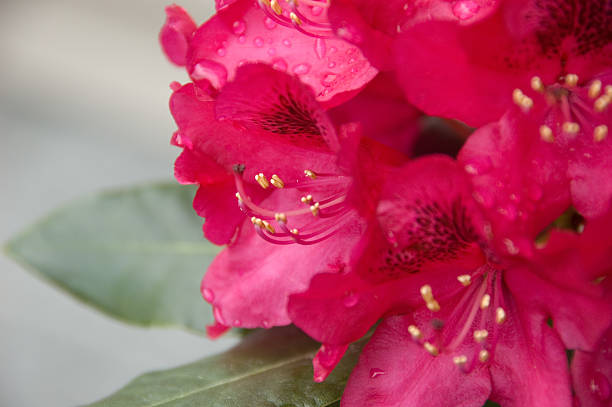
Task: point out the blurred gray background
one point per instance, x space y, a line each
83 106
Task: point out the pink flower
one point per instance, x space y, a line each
175 35
289 197
461 301
294 37
467 72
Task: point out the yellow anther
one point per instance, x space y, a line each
267 226
480 335
306 199
522 100
294 231
602 102
315 209
517 96
431 349
608 90
485 302
310 174
595 89
600 132
296 20
238 196
571 127
483 355
546 134
265 3
460 360
280 217
571 79
433 306
500 315
276 7
277 182
415 332
465 279
295 3
254 220
426 293
536 84
262 180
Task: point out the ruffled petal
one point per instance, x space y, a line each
175 35
592 374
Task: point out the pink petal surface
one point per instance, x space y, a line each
592 374
393 371
241 32
175 35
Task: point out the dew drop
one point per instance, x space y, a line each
320 48
328 79
237 322
600 386
301 69
211 71
208 294
287 42
271 51
258 42
352 60
218 316
354 70
242 39
375 372
316 11
221 52
269 23
466 9
279 64
331 65
239 27
265 323
175 85
332 50
350 300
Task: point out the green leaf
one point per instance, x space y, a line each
136 254
267 369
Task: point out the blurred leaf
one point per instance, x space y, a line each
136 254
268 368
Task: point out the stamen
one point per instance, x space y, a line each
480 335
602 102
546 134
295 231
608 90
238 197
426 293
315 209
571 80
483 355
433 306
600 133
521 100
277 182
280 217
310 174
571 128
262 180
465 279
415 332
264 3
295 19
595 89
485 302
431 349
460 360
306 199
500 315
537 85
276 7
267 226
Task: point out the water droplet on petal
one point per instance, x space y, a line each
350 300
279 64
242 39
269 23
600 386
466 9
239 27
316 11
211 71
301 69
331 65
237 322
271 51
320 48
218 316
258 42
221 52
328 79
265 323
287 42
332 50
375 372
208 294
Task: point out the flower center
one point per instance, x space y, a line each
307 16
311 220
470 331
571 109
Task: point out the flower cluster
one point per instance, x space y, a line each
442 167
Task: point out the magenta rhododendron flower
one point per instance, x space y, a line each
469 72
293 37
278 186
466 302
